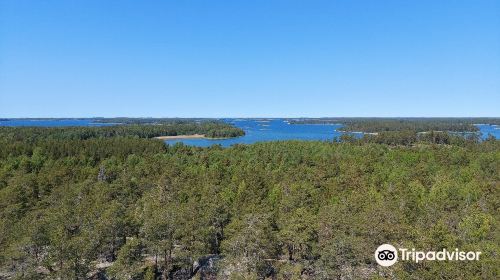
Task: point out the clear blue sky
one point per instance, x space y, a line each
249 58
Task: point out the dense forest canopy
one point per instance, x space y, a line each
211 129
121 120
125 120
400 124
105 202
410 137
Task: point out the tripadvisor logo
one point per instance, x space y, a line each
387 255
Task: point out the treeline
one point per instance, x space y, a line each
122 120
132 208
209 128
125 120
410 137
402 124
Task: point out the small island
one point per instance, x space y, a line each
175 137
166 129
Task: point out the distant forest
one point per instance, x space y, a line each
107 203
399 124
211 129
124 120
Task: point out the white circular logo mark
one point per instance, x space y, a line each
386 255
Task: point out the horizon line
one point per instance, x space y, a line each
258 117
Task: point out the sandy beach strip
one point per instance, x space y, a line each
192 136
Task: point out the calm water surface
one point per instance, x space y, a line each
268 130
278 129
487 129
256 130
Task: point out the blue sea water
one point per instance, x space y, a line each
256 130
487 129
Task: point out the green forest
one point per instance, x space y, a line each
400 124
211 129
110 203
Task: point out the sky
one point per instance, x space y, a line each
259 58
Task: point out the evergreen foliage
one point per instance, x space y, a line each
291 209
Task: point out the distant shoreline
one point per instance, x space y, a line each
192 136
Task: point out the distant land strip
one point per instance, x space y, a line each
375 125
173 137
